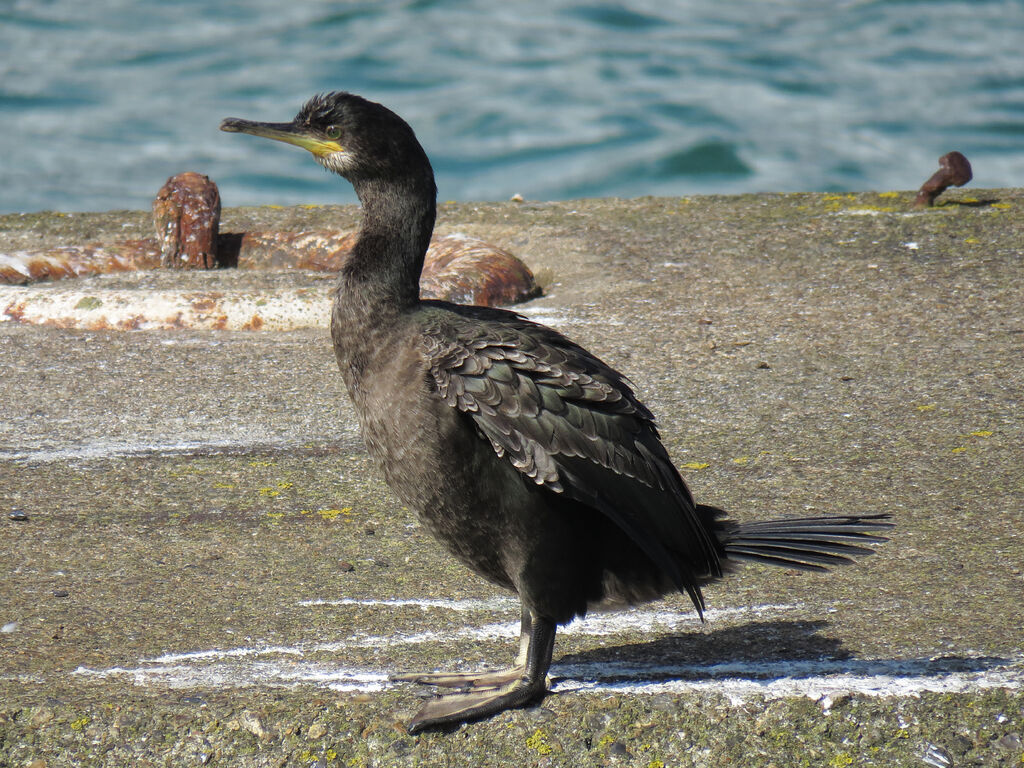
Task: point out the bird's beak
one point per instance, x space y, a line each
286 132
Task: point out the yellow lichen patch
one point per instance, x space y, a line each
224 486
79 724
835 202
331 754
271 492
185 472
260 463
333 514
1002 206
538 743
959 449
285 484
696 465
889 194
929 407
972 240
741 460
275 515
983 433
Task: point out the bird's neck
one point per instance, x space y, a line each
383 273
380 282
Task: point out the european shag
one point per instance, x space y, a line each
529 458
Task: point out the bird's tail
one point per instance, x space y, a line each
806 543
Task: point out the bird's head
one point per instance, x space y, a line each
358 139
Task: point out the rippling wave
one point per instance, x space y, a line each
550 100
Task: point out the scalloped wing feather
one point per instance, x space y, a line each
546 404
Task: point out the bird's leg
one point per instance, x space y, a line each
508 689
488 679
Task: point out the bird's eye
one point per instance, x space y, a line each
333 132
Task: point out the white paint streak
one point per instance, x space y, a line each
738 680
595 625
270 674
647 621
112 449
488 604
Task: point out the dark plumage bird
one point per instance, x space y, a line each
531 460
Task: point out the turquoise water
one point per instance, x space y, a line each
101 102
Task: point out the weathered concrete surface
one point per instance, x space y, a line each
207 492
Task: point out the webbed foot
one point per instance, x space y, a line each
482 694
489 679
476 703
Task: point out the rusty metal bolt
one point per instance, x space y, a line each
186 213
954 171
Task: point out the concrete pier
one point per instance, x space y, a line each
200 566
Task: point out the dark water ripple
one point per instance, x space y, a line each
99 103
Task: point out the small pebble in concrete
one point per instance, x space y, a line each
253 722
936 756
345 566
18 516
1011 742
8 628
317 731
60 593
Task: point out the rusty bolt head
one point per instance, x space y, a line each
954 171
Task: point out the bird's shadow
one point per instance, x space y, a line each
763 651
754 642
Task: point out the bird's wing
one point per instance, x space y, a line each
572 424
